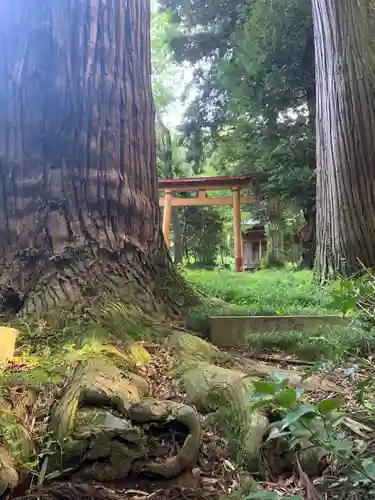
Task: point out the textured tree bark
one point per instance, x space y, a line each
275 248
345 73
78 211
309 208
178 248
165 151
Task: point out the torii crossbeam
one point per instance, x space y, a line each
201 185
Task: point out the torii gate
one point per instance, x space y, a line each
200 186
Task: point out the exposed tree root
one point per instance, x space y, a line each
101 424
208 387
43 282
108 428
67 491
212 388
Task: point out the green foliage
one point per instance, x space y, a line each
80 328
267 292
271 262
328 342
66 328
166 74
316 426
356 295
203 233
279 292
197 317
256 101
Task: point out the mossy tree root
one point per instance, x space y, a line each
103 423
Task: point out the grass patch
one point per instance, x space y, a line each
272 292
329 342
197 317
266 292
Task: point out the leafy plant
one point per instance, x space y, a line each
314 426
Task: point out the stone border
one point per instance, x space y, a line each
231 331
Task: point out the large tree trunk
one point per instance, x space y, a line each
345 72
275 247
79 212
309 208
178 248
165 151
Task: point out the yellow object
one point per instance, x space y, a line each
7 343
138 355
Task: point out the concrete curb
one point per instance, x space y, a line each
231 331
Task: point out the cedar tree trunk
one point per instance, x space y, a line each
309 206
345 72
178 248
275 247
78 207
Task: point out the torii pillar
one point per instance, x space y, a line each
238 253
168 195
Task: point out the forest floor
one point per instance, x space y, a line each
342 357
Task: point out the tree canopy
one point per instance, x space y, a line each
255 105
255 76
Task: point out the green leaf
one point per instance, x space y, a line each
276 433
330 405
265 387
265 495
261 403
287 398
54 475
299 412
341 445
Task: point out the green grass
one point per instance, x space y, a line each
279 292
266 292
333 343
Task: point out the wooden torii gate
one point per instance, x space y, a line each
201 185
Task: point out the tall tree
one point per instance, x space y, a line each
79 203
257 88
345 65
166 73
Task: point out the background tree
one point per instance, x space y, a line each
79 206
256 100
166 75
345 61
196 231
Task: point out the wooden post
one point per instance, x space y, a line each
237 229
168 195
